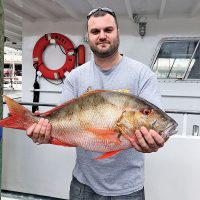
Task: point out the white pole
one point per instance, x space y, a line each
185 116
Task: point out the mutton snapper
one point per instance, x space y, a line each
100 120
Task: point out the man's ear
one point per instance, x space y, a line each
86 37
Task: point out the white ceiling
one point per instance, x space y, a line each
17 11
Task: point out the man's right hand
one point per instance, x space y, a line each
40 132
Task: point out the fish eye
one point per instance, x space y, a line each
146 111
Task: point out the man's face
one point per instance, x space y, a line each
103 35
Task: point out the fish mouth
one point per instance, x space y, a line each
170 130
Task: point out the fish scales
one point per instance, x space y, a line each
85 117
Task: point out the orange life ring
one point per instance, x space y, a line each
39 48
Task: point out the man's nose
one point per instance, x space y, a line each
102 35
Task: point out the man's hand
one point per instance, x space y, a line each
147 141
40 132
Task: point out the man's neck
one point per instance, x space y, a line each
107 63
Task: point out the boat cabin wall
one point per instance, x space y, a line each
131 44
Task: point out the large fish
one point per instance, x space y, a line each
101 120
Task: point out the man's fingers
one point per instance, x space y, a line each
149 138
37 129
159 140
48 133
45 131
43 127
136 146
141 141
37 113
29 131
134 143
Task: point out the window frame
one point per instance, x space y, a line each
176 39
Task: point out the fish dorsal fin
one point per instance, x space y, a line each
90 92
56 108
70 101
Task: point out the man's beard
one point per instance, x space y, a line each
105 53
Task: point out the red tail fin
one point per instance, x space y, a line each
19 117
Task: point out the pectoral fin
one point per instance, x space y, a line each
107 155
107 134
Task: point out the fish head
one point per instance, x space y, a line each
154 118
149 116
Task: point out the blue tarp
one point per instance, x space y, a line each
1 131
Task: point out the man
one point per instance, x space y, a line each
120 177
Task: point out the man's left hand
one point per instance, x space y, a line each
147 141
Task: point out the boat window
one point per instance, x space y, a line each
178 59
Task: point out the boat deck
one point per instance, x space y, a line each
9 195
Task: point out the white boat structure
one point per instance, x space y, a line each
163 34
12 72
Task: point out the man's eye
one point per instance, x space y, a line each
108 30
95 32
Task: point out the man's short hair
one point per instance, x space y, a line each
100 12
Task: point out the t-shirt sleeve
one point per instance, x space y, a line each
149 88
68 89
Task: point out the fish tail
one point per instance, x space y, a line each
19 117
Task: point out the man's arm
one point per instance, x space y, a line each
149 141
